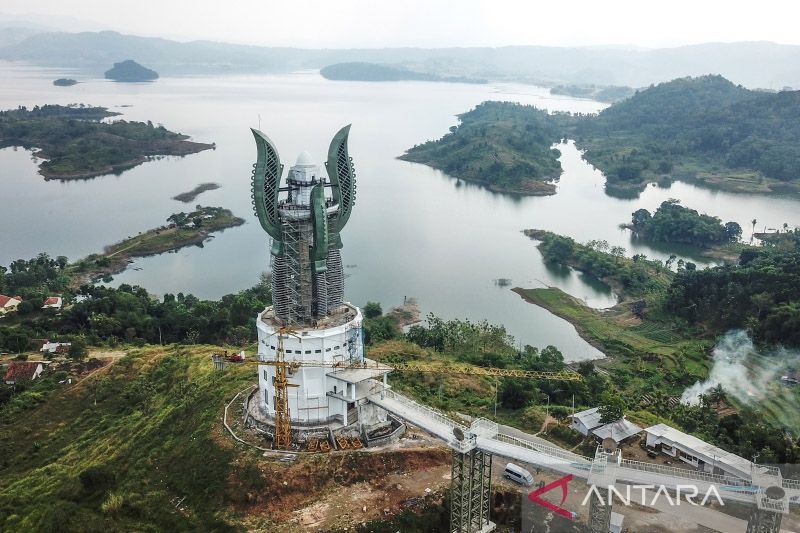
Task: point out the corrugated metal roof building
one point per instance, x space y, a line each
696 452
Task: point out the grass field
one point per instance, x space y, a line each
638 346
118 449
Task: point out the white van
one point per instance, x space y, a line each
518 474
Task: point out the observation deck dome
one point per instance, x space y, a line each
304 160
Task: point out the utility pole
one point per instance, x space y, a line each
547 414
496 382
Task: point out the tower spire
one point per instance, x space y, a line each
304 225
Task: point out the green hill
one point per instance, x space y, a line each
503 146
116 450
702 129
130 70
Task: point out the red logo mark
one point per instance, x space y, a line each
561 482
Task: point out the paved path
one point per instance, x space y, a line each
517 445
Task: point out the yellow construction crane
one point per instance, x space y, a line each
283 419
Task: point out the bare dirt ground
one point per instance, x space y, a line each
333 491
370 500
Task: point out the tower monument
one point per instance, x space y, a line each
304 218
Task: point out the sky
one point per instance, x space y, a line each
426 23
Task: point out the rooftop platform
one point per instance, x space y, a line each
337 317
357 375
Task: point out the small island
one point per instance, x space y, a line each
502 146
64 82
130 71
75 144
183 229
189 196
675 223
357 71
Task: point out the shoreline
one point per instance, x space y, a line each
543 187
727 253
577 324
115 258
186 148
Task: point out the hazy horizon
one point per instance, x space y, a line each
414 23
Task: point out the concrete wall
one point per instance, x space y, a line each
310 400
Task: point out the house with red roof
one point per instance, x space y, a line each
53 302
9 303
22 371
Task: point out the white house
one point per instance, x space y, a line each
55 347
696 452
585 421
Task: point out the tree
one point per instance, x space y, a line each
733 231
516 393
551 359
559 249
380 329
717 395
26 307
16 341
640 217
612 409
77 349
372 310
62 261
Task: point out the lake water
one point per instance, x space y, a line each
414 231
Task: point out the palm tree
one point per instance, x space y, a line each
754 221
717 395
786 227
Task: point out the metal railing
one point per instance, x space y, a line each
685 473
791 484
429 412
778 506
484 428
552 451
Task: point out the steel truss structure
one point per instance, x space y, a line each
763 521
470 492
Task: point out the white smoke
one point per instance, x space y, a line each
749 376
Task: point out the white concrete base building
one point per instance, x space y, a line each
324 394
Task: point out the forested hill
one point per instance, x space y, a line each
360 71
659 108
501 145
702 128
